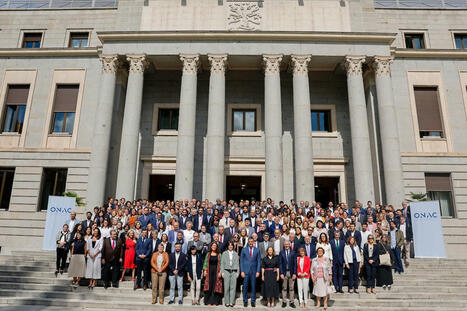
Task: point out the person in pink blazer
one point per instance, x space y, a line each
303 276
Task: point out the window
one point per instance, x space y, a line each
6 184
15 108
78 39
32 40
438 187
461 41
428 112
168 119
53 183
414 41
66 96
244 120
321 121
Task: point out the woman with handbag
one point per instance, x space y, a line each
384 271
371 262
353 262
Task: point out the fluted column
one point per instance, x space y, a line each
361 154
102 132
303 148
393 182
186 128
216 128
130 130
273 127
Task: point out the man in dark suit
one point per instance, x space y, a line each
177 268
230 230
199 220
337 248
288 273
294 243
263 246
310 247
112 253
250 267
153 242
88 222
182 219
142 249
338 227
355 233
262 230
223 239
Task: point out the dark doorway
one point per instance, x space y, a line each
243 188
326 189
161 187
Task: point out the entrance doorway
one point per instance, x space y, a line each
326 189
243 188
161 187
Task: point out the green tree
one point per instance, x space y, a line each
418 197
79 200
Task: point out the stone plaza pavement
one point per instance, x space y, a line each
27 282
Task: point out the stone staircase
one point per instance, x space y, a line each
27 282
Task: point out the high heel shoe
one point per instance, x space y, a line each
132 278
121 279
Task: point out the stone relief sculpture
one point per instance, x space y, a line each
244 16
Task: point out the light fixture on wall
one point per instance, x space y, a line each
170 186
243 186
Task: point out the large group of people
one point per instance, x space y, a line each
220 248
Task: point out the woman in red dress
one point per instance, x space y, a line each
129 255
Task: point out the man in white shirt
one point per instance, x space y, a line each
365 233
73 221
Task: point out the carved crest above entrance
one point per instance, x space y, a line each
244 15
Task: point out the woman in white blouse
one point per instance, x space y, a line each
319 229
188 232
324 244
105 229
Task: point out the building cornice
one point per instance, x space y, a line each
428 53
385 38
434 154
44 52
43 150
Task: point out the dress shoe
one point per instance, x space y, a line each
61 271
56 273
284 305
145 287
180 302
292 305
161 302
154 301
135 287
171 302
245 304
253 304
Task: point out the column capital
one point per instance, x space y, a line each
190 63
272 64
353 65
382 66
110 63
138 62
218 63
300 64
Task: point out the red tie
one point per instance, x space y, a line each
251 252
292 245
113 244
221 239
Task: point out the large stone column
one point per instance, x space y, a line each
273 127
361 155
102 132
130 130
393 182
186 128
216 128
303 148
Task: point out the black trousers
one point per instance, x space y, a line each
143 272
370 275
61 258
111 272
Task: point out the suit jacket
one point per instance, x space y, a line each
273 227
357 235
337 254
262 249
143 248
225 240
296 245
195 221
348 254
153 249
110 254
250 265
311 250
281 239
144 220
289 263
306 267
182 222
332 231
199 246
165 262
199 266
228 233
366 254
85 224
181 264
225 262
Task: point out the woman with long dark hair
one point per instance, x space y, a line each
213 282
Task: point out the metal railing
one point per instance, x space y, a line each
424 4
56 4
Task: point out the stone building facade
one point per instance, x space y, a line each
305 99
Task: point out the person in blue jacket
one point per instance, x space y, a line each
143 256
250 267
